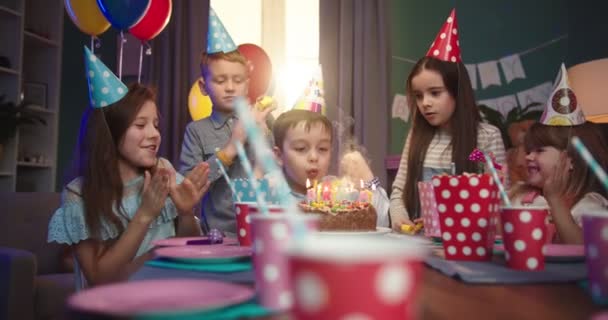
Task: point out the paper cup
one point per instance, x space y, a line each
355 278
595 233
243 220
468 214
272 235
524 236
428 208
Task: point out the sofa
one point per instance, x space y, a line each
35 276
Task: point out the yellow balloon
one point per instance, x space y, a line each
199 105
86 16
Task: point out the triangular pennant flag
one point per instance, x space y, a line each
562 108
104 87
313 97
218 39
446 46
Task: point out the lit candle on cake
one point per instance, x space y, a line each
326 194
363 194
310 192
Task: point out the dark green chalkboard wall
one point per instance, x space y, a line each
489 30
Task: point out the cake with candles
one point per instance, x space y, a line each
340 206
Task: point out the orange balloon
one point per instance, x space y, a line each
86 16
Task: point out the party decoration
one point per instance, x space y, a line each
261 69
86 16
154 20
123 14
313 97
446 46
104 87
218 38
562 108
478 156
199 104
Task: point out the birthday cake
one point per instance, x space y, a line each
342 216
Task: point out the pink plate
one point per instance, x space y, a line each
184 241
204 254
159 296
564 252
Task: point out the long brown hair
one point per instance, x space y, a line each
463 123
101 133
581 179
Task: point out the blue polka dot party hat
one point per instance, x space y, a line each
104 87
218 39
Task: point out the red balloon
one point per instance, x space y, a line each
153 21
259 77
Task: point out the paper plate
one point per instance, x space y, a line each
379 231
204 254
185 241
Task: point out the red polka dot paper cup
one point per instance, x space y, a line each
243 219
595 233
272 235
428 208
355 278
468 214
524 234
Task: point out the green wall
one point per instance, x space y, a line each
74 94
489 30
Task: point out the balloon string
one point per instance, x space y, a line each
149 49
141 54
122 42
93 44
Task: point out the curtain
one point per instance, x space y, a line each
354 53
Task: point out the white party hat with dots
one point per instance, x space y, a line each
562 108
218 39
104 87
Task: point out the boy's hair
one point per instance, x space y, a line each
292 118
232 56
464 124
101 133
581 180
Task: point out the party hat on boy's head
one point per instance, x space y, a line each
562 108
446 46
104 87
218 39
313 97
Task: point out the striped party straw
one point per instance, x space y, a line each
254 182
266 158
501 188
227 178
590 160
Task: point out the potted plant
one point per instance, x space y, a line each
13 116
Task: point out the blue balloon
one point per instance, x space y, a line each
123 14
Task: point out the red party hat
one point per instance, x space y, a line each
446 46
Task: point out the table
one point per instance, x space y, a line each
442 297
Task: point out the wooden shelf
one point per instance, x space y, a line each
40 110
5 174
33 165
9 71
9 12
37 40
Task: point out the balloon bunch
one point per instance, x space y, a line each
144 19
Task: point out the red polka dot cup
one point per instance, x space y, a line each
243 220
428 208
468 213
595 233
524 234
345 277
272 235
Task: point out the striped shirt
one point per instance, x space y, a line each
439 157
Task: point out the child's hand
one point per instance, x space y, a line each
238 132
155 191
261 115
556 183
187 194
398 220
355 167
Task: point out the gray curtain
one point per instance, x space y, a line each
354 53
174 66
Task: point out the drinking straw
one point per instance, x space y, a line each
254 182
501 188
590 160
227 178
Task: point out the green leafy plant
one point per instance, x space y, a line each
517 114
13 116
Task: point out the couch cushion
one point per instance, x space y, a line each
24 224
52 291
